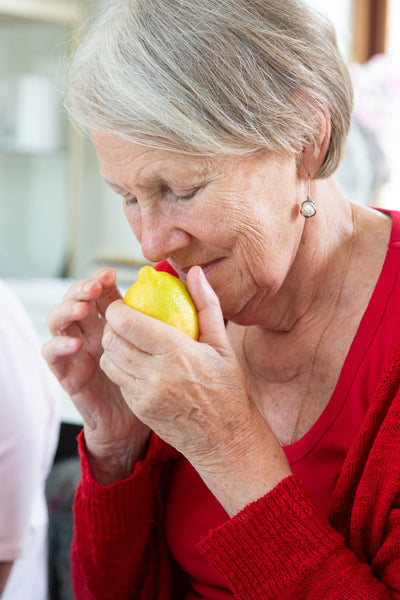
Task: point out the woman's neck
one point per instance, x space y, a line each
315 274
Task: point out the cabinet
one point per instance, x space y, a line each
40 153
57 218
46 11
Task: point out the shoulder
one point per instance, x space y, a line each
29 391
15 324
377 221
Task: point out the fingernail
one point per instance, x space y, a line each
76 309
105 273
88 286
202 274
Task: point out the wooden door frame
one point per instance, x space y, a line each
370 19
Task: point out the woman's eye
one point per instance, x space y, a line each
130 201
186 196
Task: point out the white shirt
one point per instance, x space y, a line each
29 428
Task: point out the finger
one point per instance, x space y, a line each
211 320
93 322
84 290
110 292
68 361
84 302
122 352
145 333
115 373
103 282
64 315
132 386
58 352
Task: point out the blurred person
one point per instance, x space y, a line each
28 438
261 461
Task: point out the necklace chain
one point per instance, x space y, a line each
313 357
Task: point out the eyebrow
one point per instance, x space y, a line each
116 188
197 175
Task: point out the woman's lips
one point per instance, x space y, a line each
207 267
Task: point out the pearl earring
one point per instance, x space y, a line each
308 208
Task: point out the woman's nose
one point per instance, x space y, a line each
160 240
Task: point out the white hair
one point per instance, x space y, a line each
212 77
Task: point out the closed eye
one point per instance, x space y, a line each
188 196
129 201
127 198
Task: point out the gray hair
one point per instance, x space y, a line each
213 77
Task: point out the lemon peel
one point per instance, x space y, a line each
164 297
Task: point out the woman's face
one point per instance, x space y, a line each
236 217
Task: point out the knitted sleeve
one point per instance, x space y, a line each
282 546
117 551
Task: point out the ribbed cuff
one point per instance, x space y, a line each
272 543
113 510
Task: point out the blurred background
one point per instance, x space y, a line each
59 221
57 218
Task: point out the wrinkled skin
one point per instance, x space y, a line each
180 388
232 230
77 326
151 375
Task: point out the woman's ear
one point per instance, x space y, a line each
313 156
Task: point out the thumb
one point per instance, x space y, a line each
211 320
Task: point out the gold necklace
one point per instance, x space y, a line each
321 335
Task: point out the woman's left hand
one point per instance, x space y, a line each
195 396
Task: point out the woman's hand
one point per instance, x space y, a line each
114 437
195 396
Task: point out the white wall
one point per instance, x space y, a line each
339 12
33 185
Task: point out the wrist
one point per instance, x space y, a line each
114 461
248 468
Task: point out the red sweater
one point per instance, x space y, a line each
281 546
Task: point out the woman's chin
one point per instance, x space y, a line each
238 311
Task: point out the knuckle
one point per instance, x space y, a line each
106 365
129 327
108 337
53 318
214 302
71 291
124 322
100 272
46 350
79 288
49 352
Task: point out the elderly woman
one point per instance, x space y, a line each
261 461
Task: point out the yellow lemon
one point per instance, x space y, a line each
165 297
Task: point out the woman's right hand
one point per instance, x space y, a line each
115 438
